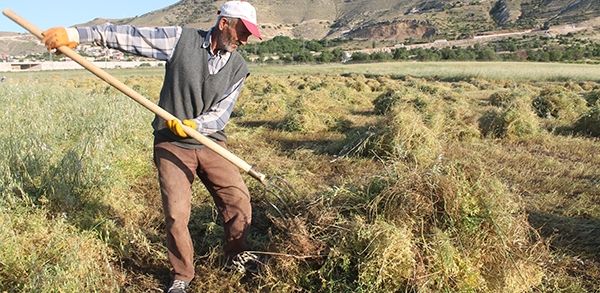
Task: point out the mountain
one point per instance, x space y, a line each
18 44
377 19
381 19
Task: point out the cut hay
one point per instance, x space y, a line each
415 127
387 100
515 122
358 83
313 112
588 85
589 123
505 98
558 103
460 123
389 258
263 100
470 232
405 136
593 98
480 83
449 229
39 254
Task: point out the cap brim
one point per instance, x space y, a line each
252 28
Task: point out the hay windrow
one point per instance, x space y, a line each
480 83
39 253
389 258
471 232
503 98
405 135
314 112
414 127
306 104
453 229
558 103
385 102
517 121
593 98
589 123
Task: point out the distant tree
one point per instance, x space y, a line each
506 45
400 54
532 55
314 46
326 57
555 54
462 54
286 58
596 50
486 54
337 54
544 56
511 46
427 55
380 56
573 54
359 56
520 55
303 57
448 54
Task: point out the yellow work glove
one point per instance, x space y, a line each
60 36
176 127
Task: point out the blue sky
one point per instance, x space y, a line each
49 13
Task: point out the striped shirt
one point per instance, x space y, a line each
159 43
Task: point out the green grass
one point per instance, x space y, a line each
450 70
397 187
534 71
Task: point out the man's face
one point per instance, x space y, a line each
233 34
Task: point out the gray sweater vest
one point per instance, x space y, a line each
189 90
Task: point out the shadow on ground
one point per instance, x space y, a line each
578 236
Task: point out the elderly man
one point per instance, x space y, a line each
203 78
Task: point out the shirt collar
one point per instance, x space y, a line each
206 45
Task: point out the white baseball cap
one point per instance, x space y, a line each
244 11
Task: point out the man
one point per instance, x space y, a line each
203 78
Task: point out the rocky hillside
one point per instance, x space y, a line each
560 11
380 19
18 44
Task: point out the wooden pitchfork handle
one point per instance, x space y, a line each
139 98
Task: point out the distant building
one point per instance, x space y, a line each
346 56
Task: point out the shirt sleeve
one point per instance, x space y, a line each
217 117
153 42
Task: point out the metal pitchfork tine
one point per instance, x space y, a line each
278 186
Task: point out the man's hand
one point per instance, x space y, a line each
59 36
176 127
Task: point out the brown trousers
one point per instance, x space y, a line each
177 168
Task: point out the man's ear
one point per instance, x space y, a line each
222 22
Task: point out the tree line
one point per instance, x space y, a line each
287 50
